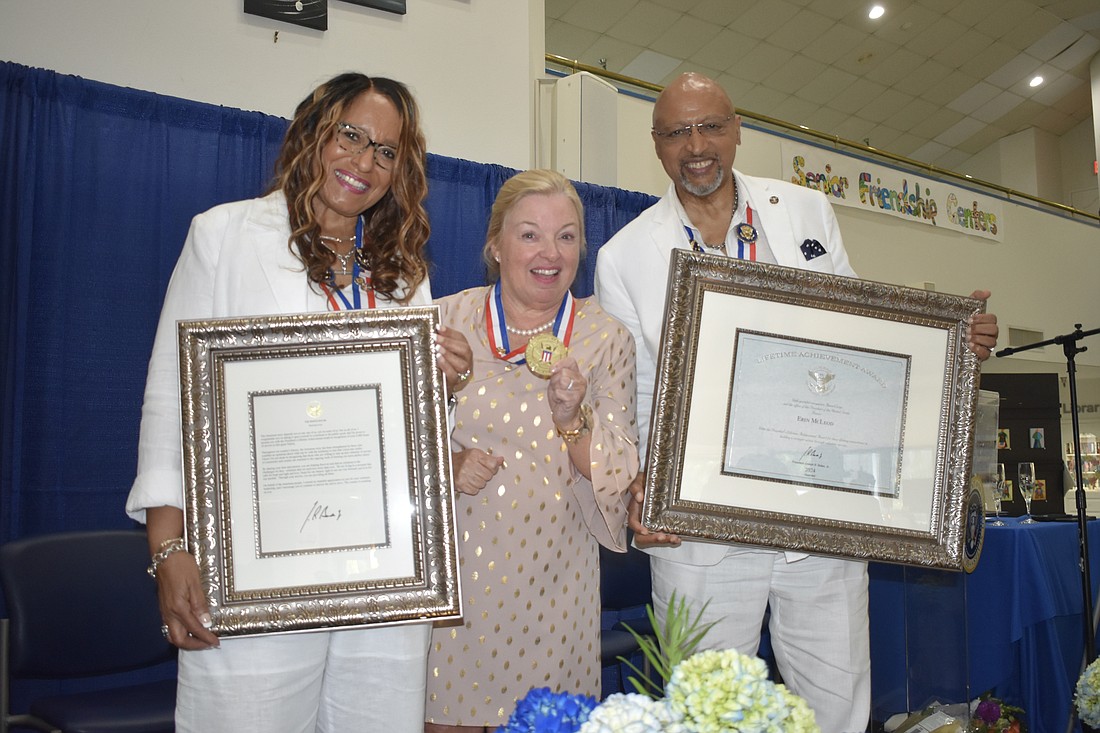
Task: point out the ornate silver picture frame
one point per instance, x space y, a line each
803 411
317 468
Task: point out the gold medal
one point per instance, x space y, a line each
544 350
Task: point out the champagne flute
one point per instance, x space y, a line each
1027 488
998 495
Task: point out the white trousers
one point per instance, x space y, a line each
343 681
819 626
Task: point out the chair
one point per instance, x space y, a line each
81 605
625 590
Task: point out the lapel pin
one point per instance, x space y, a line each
774 200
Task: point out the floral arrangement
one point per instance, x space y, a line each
990 715
1087 698
705 692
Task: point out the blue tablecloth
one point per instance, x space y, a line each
1023 625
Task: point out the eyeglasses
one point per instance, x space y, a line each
355 141
706 129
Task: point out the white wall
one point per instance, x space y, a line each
469 62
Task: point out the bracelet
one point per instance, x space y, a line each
575 434
168 547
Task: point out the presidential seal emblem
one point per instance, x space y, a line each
544 350
820 380
314 410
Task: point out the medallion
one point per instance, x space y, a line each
543 351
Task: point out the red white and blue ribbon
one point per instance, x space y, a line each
497 328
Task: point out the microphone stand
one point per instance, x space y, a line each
1070 348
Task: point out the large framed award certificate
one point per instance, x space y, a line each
317 470
812 412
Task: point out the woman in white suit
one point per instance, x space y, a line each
343 227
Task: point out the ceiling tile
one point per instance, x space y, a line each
904 25
961 130
857 96
650 66
762 100
935 123
721 13
680 6
982 139
1053 90
906 143
791 76
824 120
1030 29
992 58
767 18
1021 117
974 97
970 43
1010 14
936 38
903 116
761 63
930 73
827 85
643 24
831 8
598 16
794 110
727 48
930 151
615 54
998 107
948 88
866 55
952 160
972 13
1020 68
1081 51
568 40
686 33
735 87
555 8
1076 101
884 105
855 129
1055 41
833 43
883 137
801 31
895 68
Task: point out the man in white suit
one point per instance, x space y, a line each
818 605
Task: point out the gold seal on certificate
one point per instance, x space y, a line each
544 350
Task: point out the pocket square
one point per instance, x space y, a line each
812 248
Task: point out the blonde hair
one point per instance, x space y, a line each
536 181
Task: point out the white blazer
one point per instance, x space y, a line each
235 262
632 276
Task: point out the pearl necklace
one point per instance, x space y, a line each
531 331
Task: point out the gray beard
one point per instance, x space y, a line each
704 189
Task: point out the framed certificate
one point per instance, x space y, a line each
804 411
317 470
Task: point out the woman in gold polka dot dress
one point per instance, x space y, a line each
544 447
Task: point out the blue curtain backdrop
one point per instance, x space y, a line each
97 188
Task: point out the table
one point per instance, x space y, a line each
1021 624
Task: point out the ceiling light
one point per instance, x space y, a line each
876 12
1035 81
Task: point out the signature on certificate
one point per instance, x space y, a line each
320 511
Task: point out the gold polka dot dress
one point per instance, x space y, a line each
527 543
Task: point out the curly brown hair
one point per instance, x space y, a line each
396 228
